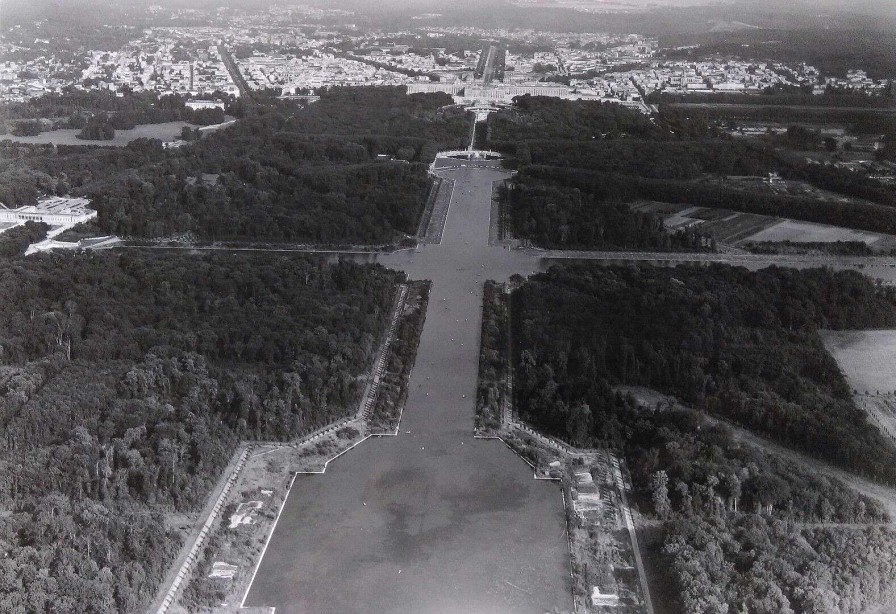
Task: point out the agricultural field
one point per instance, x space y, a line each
866 357
732 228
868 360
807 232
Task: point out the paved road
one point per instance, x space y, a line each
235 74
735 258
432 520
531 259
489 72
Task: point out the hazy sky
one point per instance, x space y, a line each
40 8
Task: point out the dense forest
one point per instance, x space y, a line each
753 564
15 241
283 173
745 529
568 218
741 345
127 382
613 155
543 118
685 464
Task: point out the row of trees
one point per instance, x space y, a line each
385 413
129 380
493 358
780 96
858 120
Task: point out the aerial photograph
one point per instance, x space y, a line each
428 307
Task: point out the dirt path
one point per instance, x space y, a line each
178 570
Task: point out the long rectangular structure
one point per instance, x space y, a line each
498 92
429 88
54 210
508 92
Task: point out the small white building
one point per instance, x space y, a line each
204 104
603 599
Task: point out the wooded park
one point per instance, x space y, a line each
128 382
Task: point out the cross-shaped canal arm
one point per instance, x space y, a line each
465 252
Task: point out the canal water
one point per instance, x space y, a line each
430 521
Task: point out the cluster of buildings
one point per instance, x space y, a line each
22 79
402 58
856 80
161 70
722 76
717 76
284 48
292 74
631 50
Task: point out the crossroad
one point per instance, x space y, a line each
457 518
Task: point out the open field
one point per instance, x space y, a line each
867 358
66 136
735 227
732 228
807 232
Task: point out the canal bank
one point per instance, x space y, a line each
432 520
